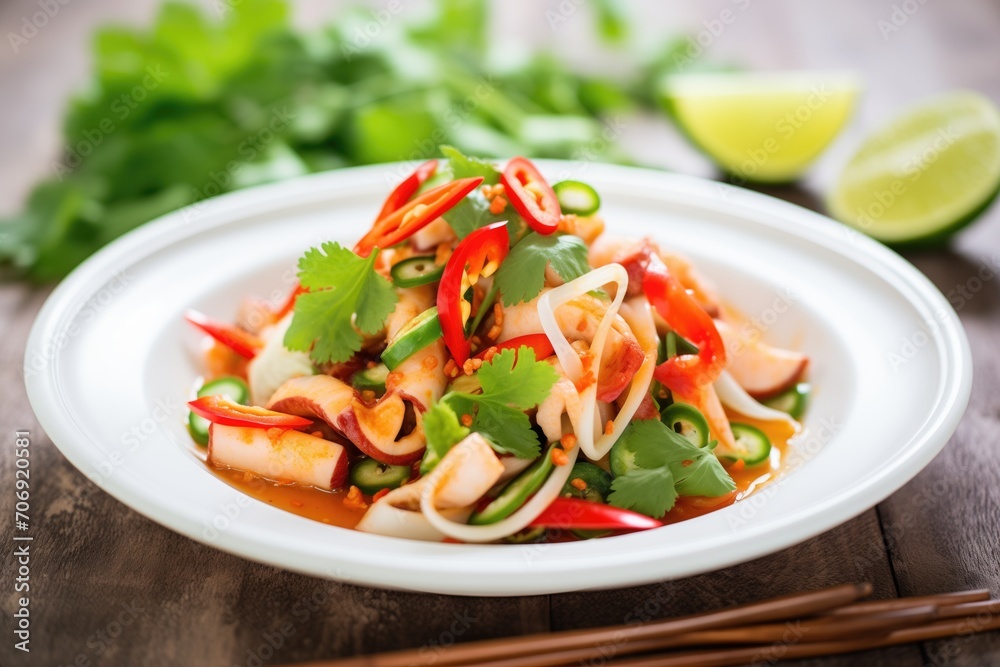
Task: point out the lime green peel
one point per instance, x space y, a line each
925 175
764 127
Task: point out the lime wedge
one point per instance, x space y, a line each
926 174
761 126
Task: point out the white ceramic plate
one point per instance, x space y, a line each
109 364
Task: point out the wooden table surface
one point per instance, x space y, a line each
110 587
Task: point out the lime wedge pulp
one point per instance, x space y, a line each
765 127
924 175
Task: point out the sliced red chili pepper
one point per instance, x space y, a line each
685 373
221 410
415 215
531 195
540 343
289 303
478 254
407 188
239 341
579 514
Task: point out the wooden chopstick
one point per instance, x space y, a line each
880 623
774 609
941 600
732 657
817 623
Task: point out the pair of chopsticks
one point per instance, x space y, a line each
825 622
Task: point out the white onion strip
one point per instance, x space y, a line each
733 396
587 430
494 531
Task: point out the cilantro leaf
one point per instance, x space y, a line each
656 448
521 276
470 214
346 299
508 390
507 429
463 166
650 492
696 471
522 385
443 431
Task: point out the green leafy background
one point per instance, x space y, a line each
199 104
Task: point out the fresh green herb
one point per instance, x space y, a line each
346 299
651 492
463 166
508 390
245 98
443 431
687 469
472 213
522 275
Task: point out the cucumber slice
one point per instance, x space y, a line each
793 401
371 476
418 333
597 479
515 493
577 198
688 421
229 386
752 445
416 271
371 379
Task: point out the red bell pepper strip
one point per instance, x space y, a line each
531 195
579 514
221 410
416 214
686 373
478 254
407 188
540 343
242 343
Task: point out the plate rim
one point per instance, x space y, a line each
908 282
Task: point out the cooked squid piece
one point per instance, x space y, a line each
464 476
389 430
608 249
279 454
761 369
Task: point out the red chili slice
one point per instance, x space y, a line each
684 373
407 188
416 214
221 410
478 254
531 195
242 343
579 514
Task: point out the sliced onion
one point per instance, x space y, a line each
495 531
588 431
734 397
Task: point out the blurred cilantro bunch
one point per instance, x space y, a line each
199 105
